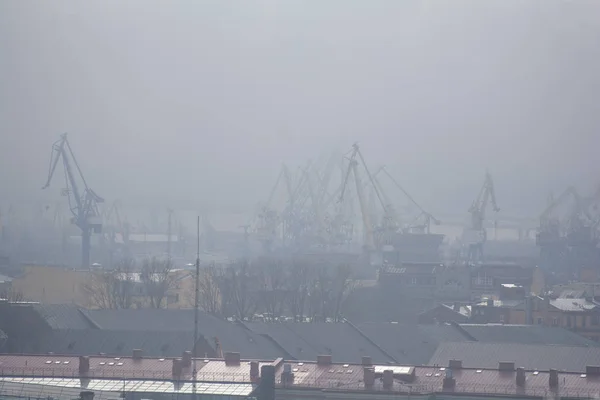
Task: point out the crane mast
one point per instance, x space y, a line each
477 211
83 205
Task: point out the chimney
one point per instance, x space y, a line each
455 364
553 380
186 359
177 368
449 382
367 361
506 366
84 364
388 379
520 376
287 376
324 359
254 372
86 395
369 376
266 387
232 358
456 306
138 354
490 302
592 370
528 310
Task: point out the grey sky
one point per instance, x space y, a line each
198 102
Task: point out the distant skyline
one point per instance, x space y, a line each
192 104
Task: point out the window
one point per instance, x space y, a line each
583 321
555 321
594 320
482 280
540 320
413 281
502 318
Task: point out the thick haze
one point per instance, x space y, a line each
188 103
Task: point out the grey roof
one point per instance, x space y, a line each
305 341
529 356
410 343
525 334
231 336
118 343
63 316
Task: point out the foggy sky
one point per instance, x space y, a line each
197 103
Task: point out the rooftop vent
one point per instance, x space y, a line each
324 359
138 354
455 364
367 361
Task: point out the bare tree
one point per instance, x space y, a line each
342 286
157 277
209 291
112 289
11 294
298 290
328 291
272 278
238 283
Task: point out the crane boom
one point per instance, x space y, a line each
83 205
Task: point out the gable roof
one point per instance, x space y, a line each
530 356
525 334
63 316
231 336
410 344
305 341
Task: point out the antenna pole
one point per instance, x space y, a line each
196 302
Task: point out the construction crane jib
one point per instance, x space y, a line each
83 203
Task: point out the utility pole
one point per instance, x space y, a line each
196 304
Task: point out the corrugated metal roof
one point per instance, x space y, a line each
305 341
529 356
525 334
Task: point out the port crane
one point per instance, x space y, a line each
476 235
83 202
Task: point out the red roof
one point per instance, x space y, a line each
307 375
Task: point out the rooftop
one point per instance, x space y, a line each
155 375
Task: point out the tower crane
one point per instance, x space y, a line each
477 211
82 203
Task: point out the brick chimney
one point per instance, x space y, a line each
232 358
520 376
324 359
186 359
177 368
137 354
553 379
367 361
84 364
254 372
369 376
